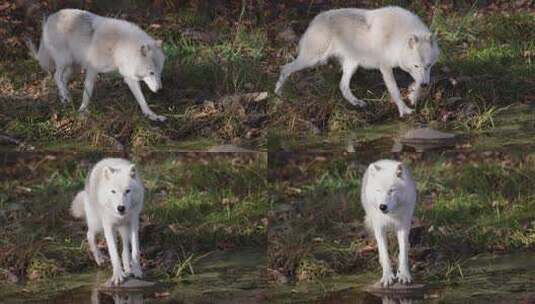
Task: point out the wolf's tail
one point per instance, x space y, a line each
78 205
41 55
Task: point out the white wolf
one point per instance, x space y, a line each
382 39
388 196
112 200
74 38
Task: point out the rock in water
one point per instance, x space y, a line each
397 289
229 149
130 283
423 139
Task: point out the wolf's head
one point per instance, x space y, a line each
120 187
150 65
419 55
386 185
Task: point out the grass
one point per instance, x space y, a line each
194 204
482 206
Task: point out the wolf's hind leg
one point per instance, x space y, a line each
349 67
300 63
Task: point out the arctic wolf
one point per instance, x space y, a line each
382 39
112 200
73 38
388 196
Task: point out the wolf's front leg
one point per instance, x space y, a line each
61 77
392 86
414 93
118 273
136 90
134 235
89 83
384 259
93 246
404 274
125 237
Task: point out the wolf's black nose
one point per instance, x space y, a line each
423 85
383 207
120 209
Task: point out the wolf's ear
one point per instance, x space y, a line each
413 40
145 49
399 171
159 43
132 171
108 171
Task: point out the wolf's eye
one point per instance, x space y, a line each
152 73
113 191
127 191
390 191
416 66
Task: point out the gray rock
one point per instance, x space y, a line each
129 283
228 148
396 289
426 138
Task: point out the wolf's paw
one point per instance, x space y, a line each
387 279
404 277
118 277
358 103
405 111
99 259
65 100
83 113
136 271
155 117
413 98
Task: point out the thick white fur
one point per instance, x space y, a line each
390 183
74 37
113 182
382 39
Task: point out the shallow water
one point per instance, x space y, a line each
220 277
513 131
232 277
486 279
